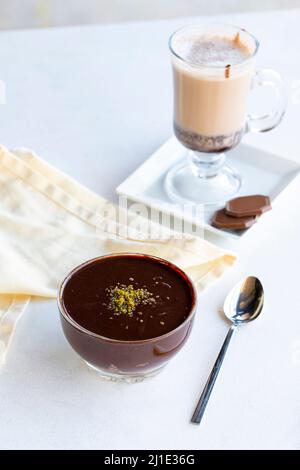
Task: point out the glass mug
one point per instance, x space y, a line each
210 114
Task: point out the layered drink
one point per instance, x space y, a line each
212 79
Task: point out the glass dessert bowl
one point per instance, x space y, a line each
127 314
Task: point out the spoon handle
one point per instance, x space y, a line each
200 408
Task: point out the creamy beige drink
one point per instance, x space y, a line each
212 78
213 70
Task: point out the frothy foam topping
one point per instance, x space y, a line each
211 50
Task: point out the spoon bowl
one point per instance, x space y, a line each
245 301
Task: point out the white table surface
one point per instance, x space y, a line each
95 102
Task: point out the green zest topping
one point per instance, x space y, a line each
123 300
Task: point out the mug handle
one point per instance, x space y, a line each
266 122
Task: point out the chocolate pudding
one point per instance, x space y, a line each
127 314
155 299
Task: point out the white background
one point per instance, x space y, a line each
96 102
48 13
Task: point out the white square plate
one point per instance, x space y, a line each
262 172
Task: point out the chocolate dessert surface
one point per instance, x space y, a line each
127 297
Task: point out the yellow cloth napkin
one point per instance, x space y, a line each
50 223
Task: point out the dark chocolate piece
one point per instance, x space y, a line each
247 206
224 221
